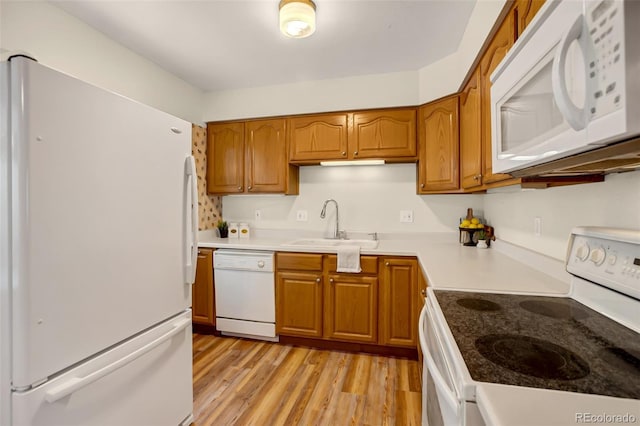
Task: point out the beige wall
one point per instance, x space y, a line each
61 41
209 207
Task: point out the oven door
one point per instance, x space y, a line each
440 402
539 102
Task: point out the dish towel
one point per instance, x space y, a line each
349 259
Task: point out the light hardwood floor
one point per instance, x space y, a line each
243 382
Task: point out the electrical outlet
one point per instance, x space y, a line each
537 226
257 214
406 216
301 216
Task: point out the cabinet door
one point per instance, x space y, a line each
299 304
471 134
498 48
439 146
203 295
266 161
351 308
524 11
384 134
225 158
318 137
398 308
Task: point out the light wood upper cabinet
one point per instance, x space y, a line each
203 295
471 134
266 156
438 168
497 50
398 307
249 157
225 158
351 308
384 134
523 13
318 137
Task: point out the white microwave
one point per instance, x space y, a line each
571 83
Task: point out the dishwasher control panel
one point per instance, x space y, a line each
244 260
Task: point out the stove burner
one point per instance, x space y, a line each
531 356
478 304
553 309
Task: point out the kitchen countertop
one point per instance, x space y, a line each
444 261
506 268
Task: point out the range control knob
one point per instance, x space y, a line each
582 252
597 256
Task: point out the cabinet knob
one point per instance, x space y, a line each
344 153
318 279
331 280
422 185
477 177
355 152
239 188
387 264
249 187
423 292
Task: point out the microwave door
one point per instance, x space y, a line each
529 124
528 118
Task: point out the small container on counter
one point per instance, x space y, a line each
234 230
243 230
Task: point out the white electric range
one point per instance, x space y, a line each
582 348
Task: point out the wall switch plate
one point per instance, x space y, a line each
302 216
537 226
406 216
257 214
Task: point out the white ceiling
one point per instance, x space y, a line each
220 45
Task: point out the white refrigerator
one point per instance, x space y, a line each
98 219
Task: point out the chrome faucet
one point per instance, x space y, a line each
337 234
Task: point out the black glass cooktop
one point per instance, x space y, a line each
543 342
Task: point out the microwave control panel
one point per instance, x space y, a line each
606 59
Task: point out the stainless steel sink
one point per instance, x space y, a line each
327 242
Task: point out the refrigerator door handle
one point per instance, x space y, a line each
191 240
77 383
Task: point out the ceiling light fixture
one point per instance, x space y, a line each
297 18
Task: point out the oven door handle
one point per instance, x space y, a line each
444 392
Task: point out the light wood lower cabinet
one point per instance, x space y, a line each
203 294
351 303
398 324
377 306
299 304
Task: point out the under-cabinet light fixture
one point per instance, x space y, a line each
297 18
352 163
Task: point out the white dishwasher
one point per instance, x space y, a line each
245 293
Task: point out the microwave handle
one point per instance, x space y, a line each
576 117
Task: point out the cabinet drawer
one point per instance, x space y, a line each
299 261
369 264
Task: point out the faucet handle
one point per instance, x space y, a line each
374 235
